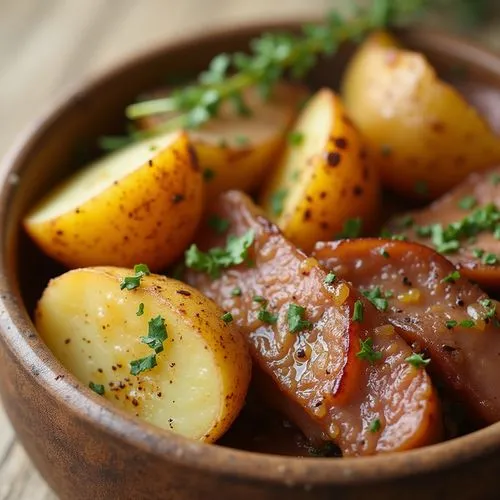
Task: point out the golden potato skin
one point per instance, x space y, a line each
148 215
235 151
199 384
326 177
421 132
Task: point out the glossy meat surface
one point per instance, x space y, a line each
427 305
476 192
314 374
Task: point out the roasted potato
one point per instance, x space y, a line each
97 331
323 178
140 203
334 367
236 150
421 132
431 306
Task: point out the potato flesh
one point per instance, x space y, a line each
92 328
148 210
237 150
325 178
420 131
101 175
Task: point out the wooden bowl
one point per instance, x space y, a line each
83 446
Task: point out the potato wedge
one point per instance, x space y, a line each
420 131
235 151
334 367
140 203
323 179
434 309
477 251
92 326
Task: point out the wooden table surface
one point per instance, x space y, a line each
46 46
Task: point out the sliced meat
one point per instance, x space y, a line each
464 225
309 348
439 312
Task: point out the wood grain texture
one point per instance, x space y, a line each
48 46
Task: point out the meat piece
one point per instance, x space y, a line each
478 253
434 309
366 403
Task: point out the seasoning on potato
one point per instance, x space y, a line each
421 133
140 203
157 348
323 178
237 148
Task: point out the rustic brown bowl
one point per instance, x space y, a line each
84 447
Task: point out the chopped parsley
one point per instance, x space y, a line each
451 278
451 324
352 228
358 312
157 334
296 321
131 282
490 259
417 360
236 291
467 203
259 299
367 352
377 298
278 201
140 309
267 317
295 138
406 221
384 253
143 364
329 278
375 425
478 252
490 307
218 224
227 317
467 323
208 174
97 388
217 258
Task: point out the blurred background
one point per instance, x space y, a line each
48 46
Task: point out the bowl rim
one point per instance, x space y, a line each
21 339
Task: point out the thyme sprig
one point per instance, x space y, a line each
272 56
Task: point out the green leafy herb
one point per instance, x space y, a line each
467 323
259 299
417 360
330 278
490 259
218 224
496 233
367 352
278 201
157 334
358 312
467 203
97 388
451 323
267 317
384 253
296 321
140 309
295 138
375 425
406 221
211 262
236 292
143 364
477 252
490 306
352 228
227 317
377 298
451 278
131 282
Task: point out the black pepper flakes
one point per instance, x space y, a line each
341 142
333 158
